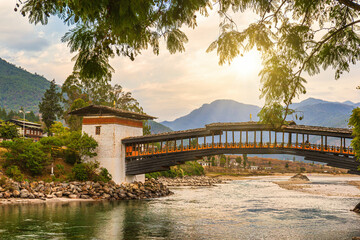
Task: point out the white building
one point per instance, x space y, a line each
108 126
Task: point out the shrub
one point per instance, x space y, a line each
26 155
80 172
104 175
89 172
71 157
15 173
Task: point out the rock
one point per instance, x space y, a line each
72 196
49 196
59 194
299 177
16 193
24 193
84 196
357 208
356 238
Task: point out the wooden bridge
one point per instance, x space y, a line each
158 152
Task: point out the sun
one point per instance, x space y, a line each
247 65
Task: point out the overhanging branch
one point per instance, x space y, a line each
350 4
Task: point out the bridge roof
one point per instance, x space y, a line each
255 126
98 110
241 126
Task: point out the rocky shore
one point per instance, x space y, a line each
82 190
190 181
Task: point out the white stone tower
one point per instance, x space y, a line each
108 126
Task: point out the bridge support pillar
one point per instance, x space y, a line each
108 126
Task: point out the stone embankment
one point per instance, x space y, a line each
190 181
83 190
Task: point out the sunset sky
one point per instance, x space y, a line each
167 86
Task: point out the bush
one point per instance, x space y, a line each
27 155
71 157
104 175
89 172
15 173
80 172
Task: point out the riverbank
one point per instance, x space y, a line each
36 192
346 189
200 181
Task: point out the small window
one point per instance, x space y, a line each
97 130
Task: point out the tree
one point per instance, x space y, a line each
354 122
102 28
294 37
50 107
8 130
81 144
238 160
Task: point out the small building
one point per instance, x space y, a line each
267 168
32 130
254 168
204 163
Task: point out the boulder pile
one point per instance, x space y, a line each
190 181
83 190
299 177
357 208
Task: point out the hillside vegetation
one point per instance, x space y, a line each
20 88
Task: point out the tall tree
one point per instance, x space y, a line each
50 107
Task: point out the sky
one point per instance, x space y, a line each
167 85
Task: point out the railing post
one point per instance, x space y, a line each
269 145
341 145
261 138
212 144
290 140
275 139
233 136
240 139
297 140
226 140
326 146
197 142
322 143
303 141
220 139
247 136
254 138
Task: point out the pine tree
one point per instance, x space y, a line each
50 107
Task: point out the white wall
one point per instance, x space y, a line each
111 152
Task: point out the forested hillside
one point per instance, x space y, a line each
20 88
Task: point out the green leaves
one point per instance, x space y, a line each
175 40
49 106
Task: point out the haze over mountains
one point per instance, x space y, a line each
315 112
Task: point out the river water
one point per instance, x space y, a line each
247 209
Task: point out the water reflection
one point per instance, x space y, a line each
254 209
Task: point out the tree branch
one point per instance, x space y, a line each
350 4
298 73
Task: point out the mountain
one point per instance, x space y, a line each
329 114
158 127
20 88
217 111
315 112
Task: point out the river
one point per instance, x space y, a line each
246 209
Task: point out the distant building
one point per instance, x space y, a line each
32 130
204 163
254 168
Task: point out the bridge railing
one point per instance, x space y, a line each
142 150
